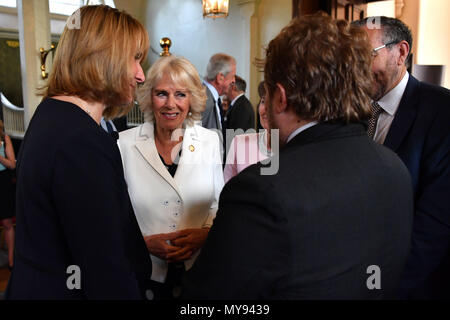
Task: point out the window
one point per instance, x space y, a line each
67 7
8 3
64 7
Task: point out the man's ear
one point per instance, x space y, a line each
280 95
404 51
219 78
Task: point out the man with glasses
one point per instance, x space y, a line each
413 119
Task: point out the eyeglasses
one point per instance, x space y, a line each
374 51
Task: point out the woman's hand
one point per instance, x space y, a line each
160 244
189 240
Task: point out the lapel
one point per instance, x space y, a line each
214 108
145 143
191 151
405 115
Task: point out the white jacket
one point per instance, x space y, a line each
163 204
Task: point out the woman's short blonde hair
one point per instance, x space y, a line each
182 73
92 60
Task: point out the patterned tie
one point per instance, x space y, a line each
372 125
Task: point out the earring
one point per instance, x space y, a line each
189 113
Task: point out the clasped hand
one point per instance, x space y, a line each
176 246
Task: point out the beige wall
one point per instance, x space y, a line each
269 18
410 16
433 35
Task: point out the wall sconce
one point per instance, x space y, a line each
215 8
165 44
44 54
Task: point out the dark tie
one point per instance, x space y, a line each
109 127
219 103
372 125
222 117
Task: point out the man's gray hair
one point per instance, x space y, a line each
393 30
219 63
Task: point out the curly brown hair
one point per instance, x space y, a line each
324 67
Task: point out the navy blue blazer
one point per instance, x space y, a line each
420 135
73 209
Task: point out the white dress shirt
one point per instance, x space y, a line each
215 96
103 124
234 100
389 103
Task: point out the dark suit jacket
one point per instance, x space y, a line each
339 204
73 209
210 118
241 115
420 135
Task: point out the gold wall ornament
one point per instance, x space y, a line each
215 8
165 44
12 43
44 54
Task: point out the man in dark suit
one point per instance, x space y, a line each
220 74
335 221
240 114
414 121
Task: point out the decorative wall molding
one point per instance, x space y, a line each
399 4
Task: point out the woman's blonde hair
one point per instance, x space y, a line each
181 72
93 61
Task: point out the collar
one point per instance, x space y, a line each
103 124
391 100
302 128
147 131
212 89
234 100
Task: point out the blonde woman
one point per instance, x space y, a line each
77 236
173 171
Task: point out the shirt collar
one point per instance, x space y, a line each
234 100
302 128
212 89
391 100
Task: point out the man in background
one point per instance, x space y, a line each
220 73
413 119
240 114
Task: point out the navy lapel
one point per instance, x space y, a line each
405 115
